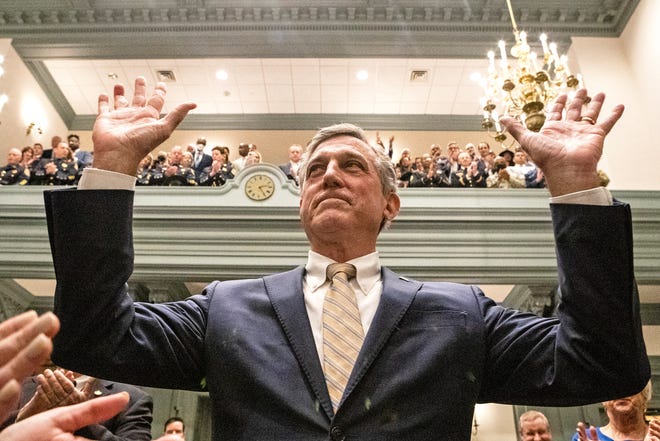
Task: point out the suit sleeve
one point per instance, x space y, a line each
594 350
103 332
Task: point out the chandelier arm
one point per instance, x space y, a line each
513 19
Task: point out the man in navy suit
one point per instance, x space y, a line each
430 351
200 159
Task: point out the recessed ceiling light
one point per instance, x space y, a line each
112 75
221 75
362 75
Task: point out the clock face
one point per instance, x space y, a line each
259 187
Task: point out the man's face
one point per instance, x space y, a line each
535 430
38 150
243 149
520 158
13 157
60 151
454 150
187 159
174 428
74 143
295 153
176 155
200 147
464 159
342 195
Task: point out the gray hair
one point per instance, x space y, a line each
532 415
383 164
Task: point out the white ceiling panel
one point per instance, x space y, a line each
282 85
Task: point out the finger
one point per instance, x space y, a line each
25 362
71 418
593 433
65 383
47 324
16 323
514 127
9 395
103 104
592 110
613 117
574 109
140 93
174 118
120 100
556 108
157 99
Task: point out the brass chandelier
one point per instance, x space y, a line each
524 83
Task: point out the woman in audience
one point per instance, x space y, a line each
626 420
144 171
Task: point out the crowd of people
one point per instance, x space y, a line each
470 166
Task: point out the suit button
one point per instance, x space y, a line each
336 434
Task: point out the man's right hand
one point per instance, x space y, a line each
124 135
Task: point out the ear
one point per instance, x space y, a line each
392 206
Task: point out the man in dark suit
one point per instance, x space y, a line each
57 388
200 159
290 169
430 351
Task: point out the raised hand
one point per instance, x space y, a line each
122 136
60 423
570 144
25 343
654 430
587 433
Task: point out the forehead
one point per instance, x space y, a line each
342 145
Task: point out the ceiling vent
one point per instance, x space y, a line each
419 76
166 76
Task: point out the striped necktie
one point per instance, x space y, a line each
342 330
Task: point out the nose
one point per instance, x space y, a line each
332 175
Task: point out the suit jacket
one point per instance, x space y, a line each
204 162
433 349
133 423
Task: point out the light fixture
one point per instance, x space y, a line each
362 75
524 83
35 127
221 75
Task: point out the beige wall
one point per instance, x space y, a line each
27 103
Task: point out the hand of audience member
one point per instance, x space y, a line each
587 433
25 343
50 168
654 430
568 148
60 423
56 389
123 135
171 170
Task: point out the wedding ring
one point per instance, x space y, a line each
588 119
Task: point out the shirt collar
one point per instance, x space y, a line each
367 266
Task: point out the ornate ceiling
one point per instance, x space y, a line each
174 29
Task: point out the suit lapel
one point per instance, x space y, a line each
286 295
398 293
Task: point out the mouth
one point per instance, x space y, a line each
331 199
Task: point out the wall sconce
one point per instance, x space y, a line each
35 127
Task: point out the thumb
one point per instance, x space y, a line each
71 418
